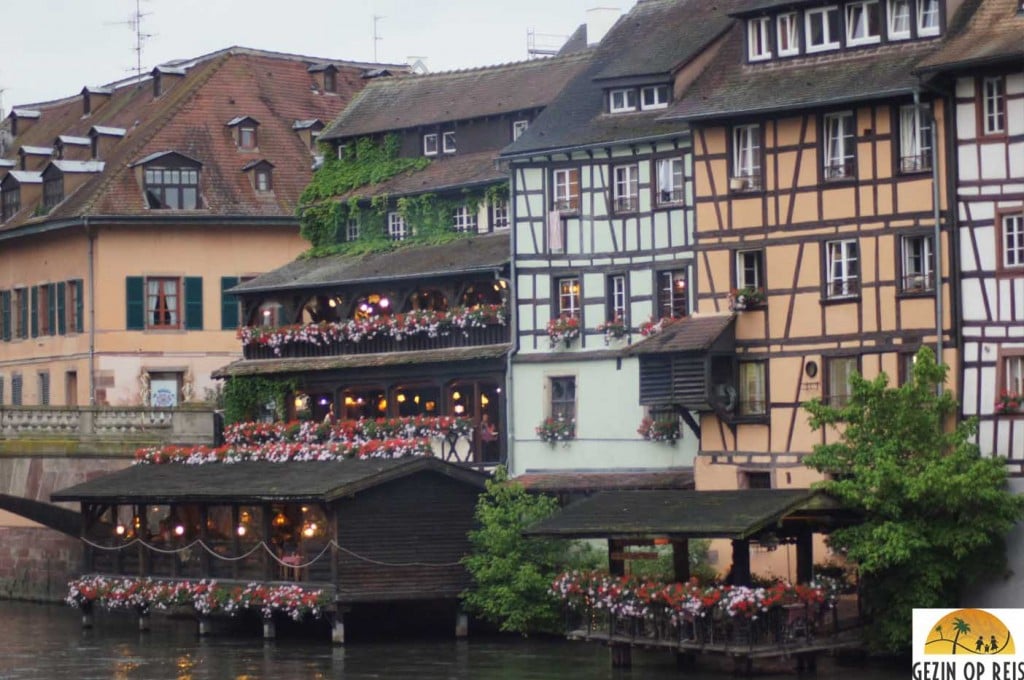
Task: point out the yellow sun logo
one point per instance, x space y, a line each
969 631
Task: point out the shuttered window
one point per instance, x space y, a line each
229 316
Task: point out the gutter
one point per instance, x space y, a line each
522 155
47 226
91 252
493 268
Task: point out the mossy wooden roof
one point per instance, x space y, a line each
254 482
736 514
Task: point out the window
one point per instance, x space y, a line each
10 203
499 215
670 181
842 269
1013 374
653 97
899 19
822 28
863 23
1 390
752 401
162 303
53 189
672 298
398 230
45 310
73 308
16 389
746 158
994 105
918 263
1013 241
788 32
568 297
20 313
758 40
753 479
567 189
616 304
44 388
330 81
172 188
927 17
839 373
620 101
449 142
626 188
563 398
915 138
839 146
264 181
518 128
430 144
352 230
247 137
464 220
750 269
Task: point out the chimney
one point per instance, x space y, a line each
599 22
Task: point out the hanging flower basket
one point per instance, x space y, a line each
563 330
659 429
746 298
553 430
614 330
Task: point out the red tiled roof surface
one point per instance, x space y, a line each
460 170
691 334
190 117
995 32
570 481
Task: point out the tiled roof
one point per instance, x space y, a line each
336 363
254 482
994 33
485 253
443 173
586 482
399 103
649 43
188 118
691 334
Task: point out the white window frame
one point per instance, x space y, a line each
894 17
759 39
839 154
448 145
673 291
915 138
500 218
464 220
858 23
993 101
749 262
842 269
1013 373
788 25
840 370
1013 241
626 188
925 10
352 229
563 197
398 229
830 42
658 97
671 178
429 144
746 155
570 296
753 388
918 262
627 97
617 297
518 128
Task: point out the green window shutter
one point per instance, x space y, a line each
23 314
5 315
228 304
194 303
135 302
51 308
79 306
62 321
34 311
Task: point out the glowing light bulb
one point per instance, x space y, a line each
119 530
241 530
400 398
179 530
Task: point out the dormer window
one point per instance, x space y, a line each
822 28
621 101
863 25
758 40
53 188
245 132
787 29
927 17
330 81
263 179
449 142
324 75
899 19
10 203
171 181
262 175
518 128
430 144
653 97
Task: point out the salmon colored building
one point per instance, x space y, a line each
129 209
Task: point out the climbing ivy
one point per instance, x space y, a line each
245 397
362 164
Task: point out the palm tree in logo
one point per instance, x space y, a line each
961 627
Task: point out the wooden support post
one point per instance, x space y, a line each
616 567
87 620
205 626
338 628
143 612
269 629
461 624
622 656
681 560
804 557
740 563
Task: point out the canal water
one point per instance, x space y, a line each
46 641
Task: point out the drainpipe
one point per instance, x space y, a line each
92 311
513 319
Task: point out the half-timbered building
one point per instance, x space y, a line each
822 220
602 238
419 275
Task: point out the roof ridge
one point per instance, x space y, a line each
508 65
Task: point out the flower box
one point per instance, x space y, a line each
1009 402
553 430
615 329
563 330
746 298
659 429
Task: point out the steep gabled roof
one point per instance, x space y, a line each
401 103
993 34
188 118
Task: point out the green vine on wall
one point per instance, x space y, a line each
365 163
246 397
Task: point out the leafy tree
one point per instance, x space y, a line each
935 512
511 573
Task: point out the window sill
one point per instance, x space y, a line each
913 294
751 419
925 172
840 299
670 205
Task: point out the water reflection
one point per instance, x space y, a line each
46 641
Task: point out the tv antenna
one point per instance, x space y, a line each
134 22
376 36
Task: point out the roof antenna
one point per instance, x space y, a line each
134 22
376 37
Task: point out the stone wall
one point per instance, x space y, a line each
36 563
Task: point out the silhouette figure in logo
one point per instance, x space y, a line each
994 645
978 645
